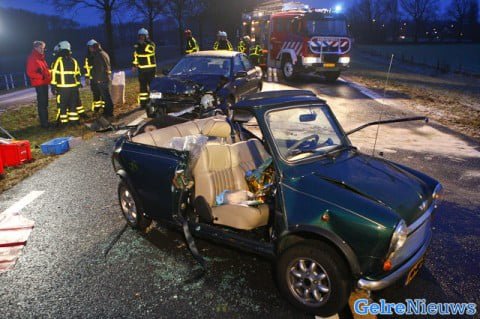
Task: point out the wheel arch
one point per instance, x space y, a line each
288 53
303 233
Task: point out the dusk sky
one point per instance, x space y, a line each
89 16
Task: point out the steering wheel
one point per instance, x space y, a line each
303 140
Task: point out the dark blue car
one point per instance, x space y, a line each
203 84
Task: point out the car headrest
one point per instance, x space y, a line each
216 128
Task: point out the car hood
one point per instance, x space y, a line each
180 84
375 179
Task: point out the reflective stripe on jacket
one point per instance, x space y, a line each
88 68
223 45
256 51
144 55
65 73
191 46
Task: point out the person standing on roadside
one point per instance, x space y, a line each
40 77
97 102
100 76
144 60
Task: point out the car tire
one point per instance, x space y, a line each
328 281
332 76
288 69
131 207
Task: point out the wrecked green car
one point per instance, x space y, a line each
281 179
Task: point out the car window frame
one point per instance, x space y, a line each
344 138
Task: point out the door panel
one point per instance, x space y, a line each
151 171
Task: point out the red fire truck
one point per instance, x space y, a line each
298 39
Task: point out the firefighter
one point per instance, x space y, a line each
100 76
222 42
65 83
244 45
191 45
145 62
255 54
97 102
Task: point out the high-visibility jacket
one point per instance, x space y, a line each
191 46
256 51
88 67
65 72
144 55
223 45
243 47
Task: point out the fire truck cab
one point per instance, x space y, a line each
301 40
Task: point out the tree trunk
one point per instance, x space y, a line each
109 36
181 37
150 26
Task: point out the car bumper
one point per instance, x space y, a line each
400 272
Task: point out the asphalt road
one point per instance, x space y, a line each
64 271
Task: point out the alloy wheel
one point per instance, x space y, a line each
308 282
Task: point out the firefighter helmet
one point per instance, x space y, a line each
64 45
224 34
92 42
188 32
219 34
143 31
246 38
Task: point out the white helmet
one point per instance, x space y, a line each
224 34
143 31
246 38
219 34
64 45
91 42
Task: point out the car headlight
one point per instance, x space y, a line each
155 95
207 101
399 237
438 194
312 60
344 60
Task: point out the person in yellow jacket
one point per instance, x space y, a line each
222 42
144 60
244 45
256 53
192 44
65 82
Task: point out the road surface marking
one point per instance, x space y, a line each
19 205
369 93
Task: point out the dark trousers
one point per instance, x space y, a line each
145 77
104 90
42 104
67 99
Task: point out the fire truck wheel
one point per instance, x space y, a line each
332 76
288 69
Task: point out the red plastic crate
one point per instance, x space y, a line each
1 166
15 153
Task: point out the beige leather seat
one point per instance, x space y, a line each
219 168
162 137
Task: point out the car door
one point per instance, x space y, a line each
252 79
240 84
151 171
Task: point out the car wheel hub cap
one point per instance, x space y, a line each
128 206
288 69
308 282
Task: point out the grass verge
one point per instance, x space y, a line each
23 124
453 101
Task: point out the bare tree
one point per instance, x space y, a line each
106 7
180 10
459 10
150 10
419 11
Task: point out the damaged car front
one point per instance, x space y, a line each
202 84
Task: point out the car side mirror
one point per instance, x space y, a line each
241 74
165 71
